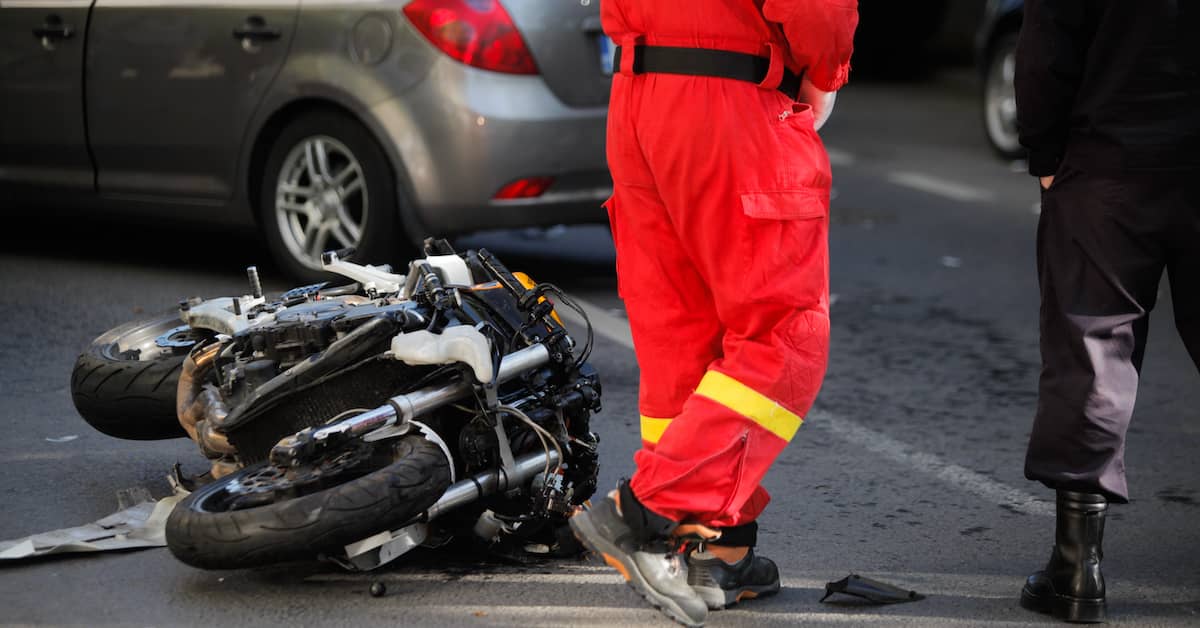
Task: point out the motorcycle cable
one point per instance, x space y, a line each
542 434
586 351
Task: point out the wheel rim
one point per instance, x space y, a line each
147 341
264 483
1000 101
321 199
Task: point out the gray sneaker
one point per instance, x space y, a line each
661 577
721 584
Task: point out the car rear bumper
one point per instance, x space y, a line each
462 134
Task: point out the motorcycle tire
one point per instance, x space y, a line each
124 383
203 535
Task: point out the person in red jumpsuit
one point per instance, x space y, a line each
720 217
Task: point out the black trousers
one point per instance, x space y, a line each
1103 243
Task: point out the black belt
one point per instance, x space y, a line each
707 62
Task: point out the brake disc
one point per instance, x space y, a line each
269 483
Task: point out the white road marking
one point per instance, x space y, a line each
557 616
940 187
960 477
838 157
617 329
612 327
933 584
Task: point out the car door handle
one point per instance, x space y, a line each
54 28
256 29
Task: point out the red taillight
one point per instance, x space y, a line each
524 188
475 32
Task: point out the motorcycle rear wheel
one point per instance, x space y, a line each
124 383
202 532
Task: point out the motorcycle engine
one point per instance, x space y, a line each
263 366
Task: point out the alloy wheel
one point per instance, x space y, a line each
321 200
1000 102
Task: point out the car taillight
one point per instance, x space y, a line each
524 188
476 32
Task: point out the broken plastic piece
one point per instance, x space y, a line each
871 590
138 526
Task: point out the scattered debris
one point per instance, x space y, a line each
378 589
949 261
873 591
134 526
62 439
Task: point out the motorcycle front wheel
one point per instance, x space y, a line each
124 383
210 531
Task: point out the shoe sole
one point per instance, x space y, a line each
624 564
718 599
1066 608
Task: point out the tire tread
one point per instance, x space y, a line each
289 531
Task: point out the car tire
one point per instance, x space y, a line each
327 185
999 100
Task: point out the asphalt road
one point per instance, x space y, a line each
908 470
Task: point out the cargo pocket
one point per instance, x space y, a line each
786 234
787 204
793 181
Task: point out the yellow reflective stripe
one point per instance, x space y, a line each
652 428
750 403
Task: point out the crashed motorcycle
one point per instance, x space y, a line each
355 420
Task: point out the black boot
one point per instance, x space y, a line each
1071 586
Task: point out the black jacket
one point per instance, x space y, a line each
1113 83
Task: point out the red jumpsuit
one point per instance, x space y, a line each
720 217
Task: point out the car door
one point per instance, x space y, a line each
171 87
42 136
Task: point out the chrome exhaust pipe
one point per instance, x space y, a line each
493 481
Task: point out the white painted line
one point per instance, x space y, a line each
940 187
960 477
612 327
942 584
557 616
838 157
617 329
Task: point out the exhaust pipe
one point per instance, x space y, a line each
382 548
491 482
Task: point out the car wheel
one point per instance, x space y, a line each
999 98
328 186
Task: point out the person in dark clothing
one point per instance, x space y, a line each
1108 106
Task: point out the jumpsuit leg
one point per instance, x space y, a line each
678 305
1101 256
767 275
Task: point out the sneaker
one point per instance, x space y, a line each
661 577
721 584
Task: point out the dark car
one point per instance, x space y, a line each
995 54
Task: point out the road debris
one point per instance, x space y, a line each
139 525
873 591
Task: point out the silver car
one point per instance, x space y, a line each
329 124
